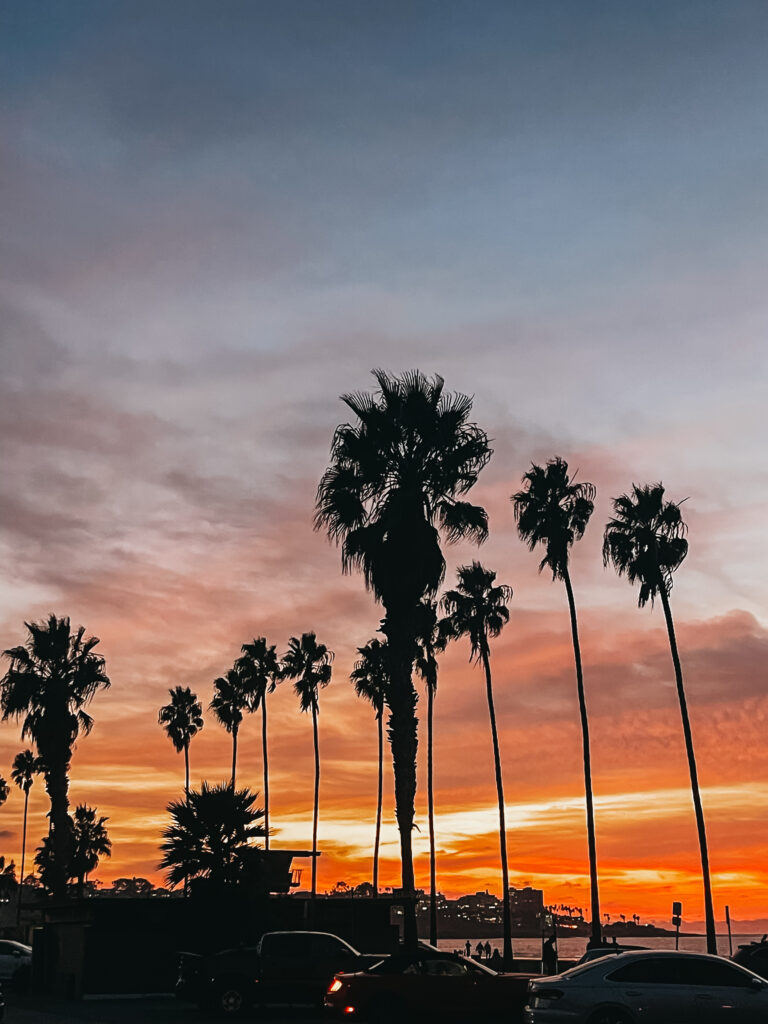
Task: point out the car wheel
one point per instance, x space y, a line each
231 1000
610 1015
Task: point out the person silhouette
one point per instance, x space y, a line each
468 947
487 951
549 955
479 950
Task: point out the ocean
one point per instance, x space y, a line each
571 948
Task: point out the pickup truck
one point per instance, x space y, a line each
289 968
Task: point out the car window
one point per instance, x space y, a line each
649 970
710 973
445 968
289 945
5 948
329 946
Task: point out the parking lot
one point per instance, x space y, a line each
28 1009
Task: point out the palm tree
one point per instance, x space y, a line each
554 511
477 608
25 767
51 680
370 679
91 843
309 664
230 699
645 541
261 668
432 637
5 789
394 482
211 835
182 719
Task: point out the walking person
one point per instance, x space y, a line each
487 951
468 947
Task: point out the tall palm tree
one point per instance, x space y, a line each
91 843
308 663
395 481
25 767
645 541
182 719
432 637
477 608
261 668
211 835
553 510
51 680
230 699
370 680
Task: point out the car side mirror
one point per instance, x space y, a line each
756 984
17 953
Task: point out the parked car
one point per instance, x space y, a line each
15 961
285 967
754 955
428 984
613 949
654 986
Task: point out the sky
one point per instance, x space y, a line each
218 218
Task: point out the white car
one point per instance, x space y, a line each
15 959
650 987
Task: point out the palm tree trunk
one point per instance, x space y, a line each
266 767
709 913
431 816
234 755
402 730
23 855
57 785
380 723
186 769
596 937
317 799
507 954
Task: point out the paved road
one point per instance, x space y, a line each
152 1010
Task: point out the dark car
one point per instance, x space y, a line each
429 985
754 955
290 968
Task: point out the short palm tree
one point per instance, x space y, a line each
91 843
261 668
553 510
477 608
432 637
25 767
370 680
230 700
645 541
51 680
5 789
182 719
308 663
212 835
395 481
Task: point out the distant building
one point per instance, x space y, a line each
526 906
482 907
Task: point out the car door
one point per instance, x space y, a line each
447 989
651 988
8 962
722 993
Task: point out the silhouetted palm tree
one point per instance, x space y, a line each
50 682
477 608
554 511
432 637
230 699
5 789
308 663
25 767
182 719
646 542
261 668
394 482
211 835
91 843
370 678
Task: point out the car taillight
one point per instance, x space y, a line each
335 985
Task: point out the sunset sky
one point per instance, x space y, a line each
218 217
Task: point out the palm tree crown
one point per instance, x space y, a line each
181 717
230 699
477 608
211 835
369 675
260 668
554 511
308 663
25 767
91 842
645 540
396 477
4 790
